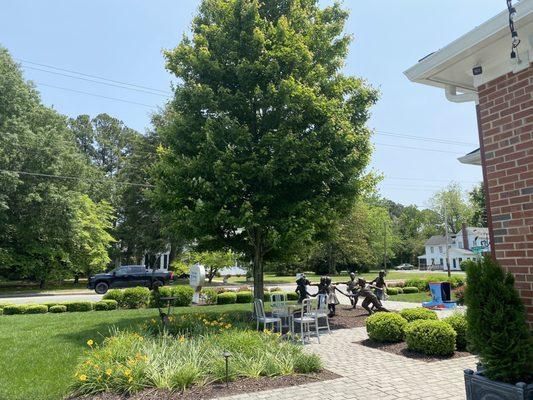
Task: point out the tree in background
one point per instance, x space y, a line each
265 140
451 201
477 200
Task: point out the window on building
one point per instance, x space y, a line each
441 261
454 263
165 261
440 249
431 249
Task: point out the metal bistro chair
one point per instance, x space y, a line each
261 317
278 303
321 311
305 322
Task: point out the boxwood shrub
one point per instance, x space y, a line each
410 289
245 297
100 306
183 295
115 294
386 327
210 296
60 308
292 296
156 295
430 337
136 297
36 309
13 309
459 325
420 284
394 290
227 298
413 314
79 306
111 304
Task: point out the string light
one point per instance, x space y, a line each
515 41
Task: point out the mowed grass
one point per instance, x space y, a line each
38 353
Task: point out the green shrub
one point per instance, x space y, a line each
458 323
497 329
79 306
410 289
13 309
430 337
60 308
245 297
51 305
227 298
36 309
307 363
100 306
156 295
392 291
115 294
292 296
465 264
111 304
210 296
183 295
412 314
456 281
1 311
386 327
421 284
136 297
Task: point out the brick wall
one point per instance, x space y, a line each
505 117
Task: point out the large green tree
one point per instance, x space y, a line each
451 205
477 200
266 138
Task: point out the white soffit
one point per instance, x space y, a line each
488 46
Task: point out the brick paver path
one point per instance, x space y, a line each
371 374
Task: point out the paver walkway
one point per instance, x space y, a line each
371 374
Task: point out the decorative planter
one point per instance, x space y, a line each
479 387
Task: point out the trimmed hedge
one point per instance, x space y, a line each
155 296
413 314
210 296
421 284
111 304
60 308
410 289
100 306
14 309
184 295
386 327
292 296
115 294
245 297
392 291
136 297
459 325
36 309
433 338
227 298
79 306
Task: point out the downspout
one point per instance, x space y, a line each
453 96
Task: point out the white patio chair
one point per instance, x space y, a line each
321 311
305 322
261 317
278 303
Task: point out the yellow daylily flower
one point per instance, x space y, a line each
83 378
90 343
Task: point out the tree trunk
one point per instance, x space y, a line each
331 261
76 279
173 253
258 266
41 284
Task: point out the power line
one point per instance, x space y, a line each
94 76
98 82
36 174
428 179
96 95
417 148
424 138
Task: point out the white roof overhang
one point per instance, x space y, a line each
473 158
487 46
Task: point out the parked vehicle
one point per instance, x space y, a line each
404 266
129 276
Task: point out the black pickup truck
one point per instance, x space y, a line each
129 276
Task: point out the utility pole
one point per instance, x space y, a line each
447 241
385 246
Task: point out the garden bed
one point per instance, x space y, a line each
240 386
401 349
346 317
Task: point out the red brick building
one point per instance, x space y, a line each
478 67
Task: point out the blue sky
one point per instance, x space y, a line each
123 40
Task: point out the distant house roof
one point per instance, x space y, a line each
472 158
437 240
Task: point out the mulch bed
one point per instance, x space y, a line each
245 385
402 350
347 317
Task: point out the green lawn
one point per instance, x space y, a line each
411 297
38 353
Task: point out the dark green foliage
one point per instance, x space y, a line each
13 309
466 263
292 296
227 298
60 308
307 363
459 325
210 296
79 306
115 294
421 284
394 290
155 296
100 306
386 327
183 295
433 338
460 295
497 327
410 289
36 309
136 297
111 304
245 297
412 314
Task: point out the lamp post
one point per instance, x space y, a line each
227 355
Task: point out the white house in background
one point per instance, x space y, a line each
460 245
